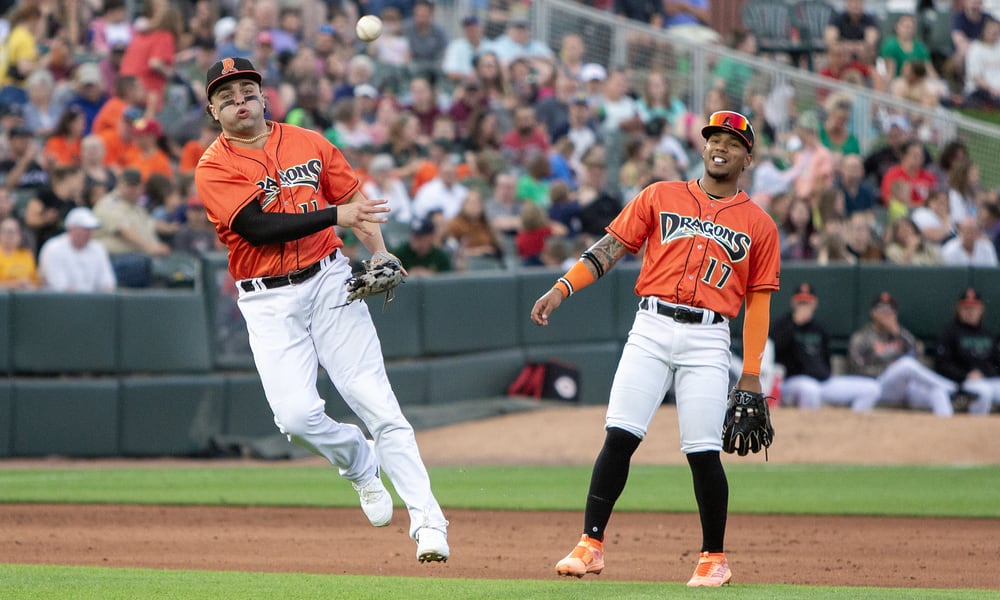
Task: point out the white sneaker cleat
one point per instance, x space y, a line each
432 545
375 501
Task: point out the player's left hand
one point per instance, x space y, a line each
544 307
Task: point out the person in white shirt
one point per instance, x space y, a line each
72 261
384 184
460 51
517 42
442 194
970 247
982 67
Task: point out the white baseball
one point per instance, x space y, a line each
369 27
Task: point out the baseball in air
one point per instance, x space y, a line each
369 27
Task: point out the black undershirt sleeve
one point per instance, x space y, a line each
263 229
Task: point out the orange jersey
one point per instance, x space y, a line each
700 252
62 151
190 154
298 170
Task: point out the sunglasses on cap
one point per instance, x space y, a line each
733 122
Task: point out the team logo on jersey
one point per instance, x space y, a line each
674 227
306 174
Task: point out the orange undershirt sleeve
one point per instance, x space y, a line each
755 328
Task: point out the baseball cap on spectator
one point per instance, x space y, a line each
132 176
88 73
132 113
421 227
470 20
81 216
227 69
885 299
118 37
150 126
519 21
804 294
896 121
970 297
365 89
593 72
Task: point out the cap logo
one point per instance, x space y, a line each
228 66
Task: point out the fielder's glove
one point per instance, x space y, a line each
381 275
747 427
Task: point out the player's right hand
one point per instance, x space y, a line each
359 212
544 307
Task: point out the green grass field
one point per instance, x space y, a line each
830 490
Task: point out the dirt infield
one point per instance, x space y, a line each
862 551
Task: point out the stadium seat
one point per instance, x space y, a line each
771 21
811 17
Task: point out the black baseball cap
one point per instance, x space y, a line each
730 122
970 297
885 299
228 69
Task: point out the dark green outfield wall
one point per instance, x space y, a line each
167 372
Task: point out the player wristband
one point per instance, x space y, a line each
577 278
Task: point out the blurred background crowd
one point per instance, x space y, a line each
498 144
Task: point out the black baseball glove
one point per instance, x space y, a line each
747 427
381 275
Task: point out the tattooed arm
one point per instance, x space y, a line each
594 263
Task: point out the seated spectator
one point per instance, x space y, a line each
88 93
835 132
859 195
802 346
382 183
906 246
427 39
563 207
885 350
42 112
842 65
861 241
526 139
128 232
517 41
911 170
503 209
17 262
420 255
599 204
20 55
618 110
832 246
572 48
443 194
887 155
964 185
904 46
533 182
536 228
460 51
470 233
897 202
733 74
797 233
982 77
919 85
62 148
689 19
813 164
970 247
967 25
934 219
73 261
23 171
196 236
192 150
98 178
46 210
989 219
854 29
392 49
658 100
969 354
581 130
149 157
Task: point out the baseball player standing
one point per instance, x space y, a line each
274 192
708 248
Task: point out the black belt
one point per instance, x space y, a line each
681 314
292 277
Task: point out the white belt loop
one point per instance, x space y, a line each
707 316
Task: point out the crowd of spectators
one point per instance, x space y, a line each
495 148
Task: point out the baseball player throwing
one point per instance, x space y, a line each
708 248
274 192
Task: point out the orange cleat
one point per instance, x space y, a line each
586 557
712 570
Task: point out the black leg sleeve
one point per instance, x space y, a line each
608 479
711 490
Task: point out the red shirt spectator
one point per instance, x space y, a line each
526 138
911 169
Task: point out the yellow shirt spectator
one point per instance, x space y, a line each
17 263
20 50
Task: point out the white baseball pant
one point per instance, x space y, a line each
908 380
857 391
987 391
293 328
